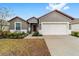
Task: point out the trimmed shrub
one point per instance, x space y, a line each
76 34
17 35
36 34
14 35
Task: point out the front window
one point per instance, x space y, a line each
18 26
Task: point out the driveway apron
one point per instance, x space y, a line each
62 45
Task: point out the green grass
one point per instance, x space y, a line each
23 47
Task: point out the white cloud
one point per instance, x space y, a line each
58 6
67 7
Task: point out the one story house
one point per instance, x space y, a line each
75 25
52 23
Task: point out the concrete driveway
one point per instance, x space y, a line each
62 45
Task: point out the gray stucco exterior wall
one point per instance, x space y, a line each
12 24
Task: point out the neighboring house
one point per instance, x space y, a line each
75 25
18 24
4 25
53 23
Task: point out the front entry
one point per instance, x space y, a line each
33 27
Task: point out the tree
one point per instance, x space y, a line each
4 14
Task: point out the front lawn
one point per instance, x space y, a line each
23 47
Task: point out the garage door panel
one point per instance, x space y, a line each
54 29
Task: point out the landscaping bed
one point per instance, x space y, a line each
14 35
74 33
23 47
36 34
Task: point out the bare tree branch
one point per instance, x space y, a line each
4 14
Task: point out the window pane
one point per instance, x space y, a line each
18 26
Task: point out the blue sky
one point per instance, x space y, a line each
27 10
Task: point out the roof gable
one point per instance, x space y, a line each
18 18
59 13
32 20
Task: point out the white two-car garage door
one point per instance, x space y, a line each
55 28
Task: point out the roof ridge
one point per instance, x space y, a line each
16 17
31 18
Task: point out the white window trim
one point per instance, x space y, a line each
15 26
